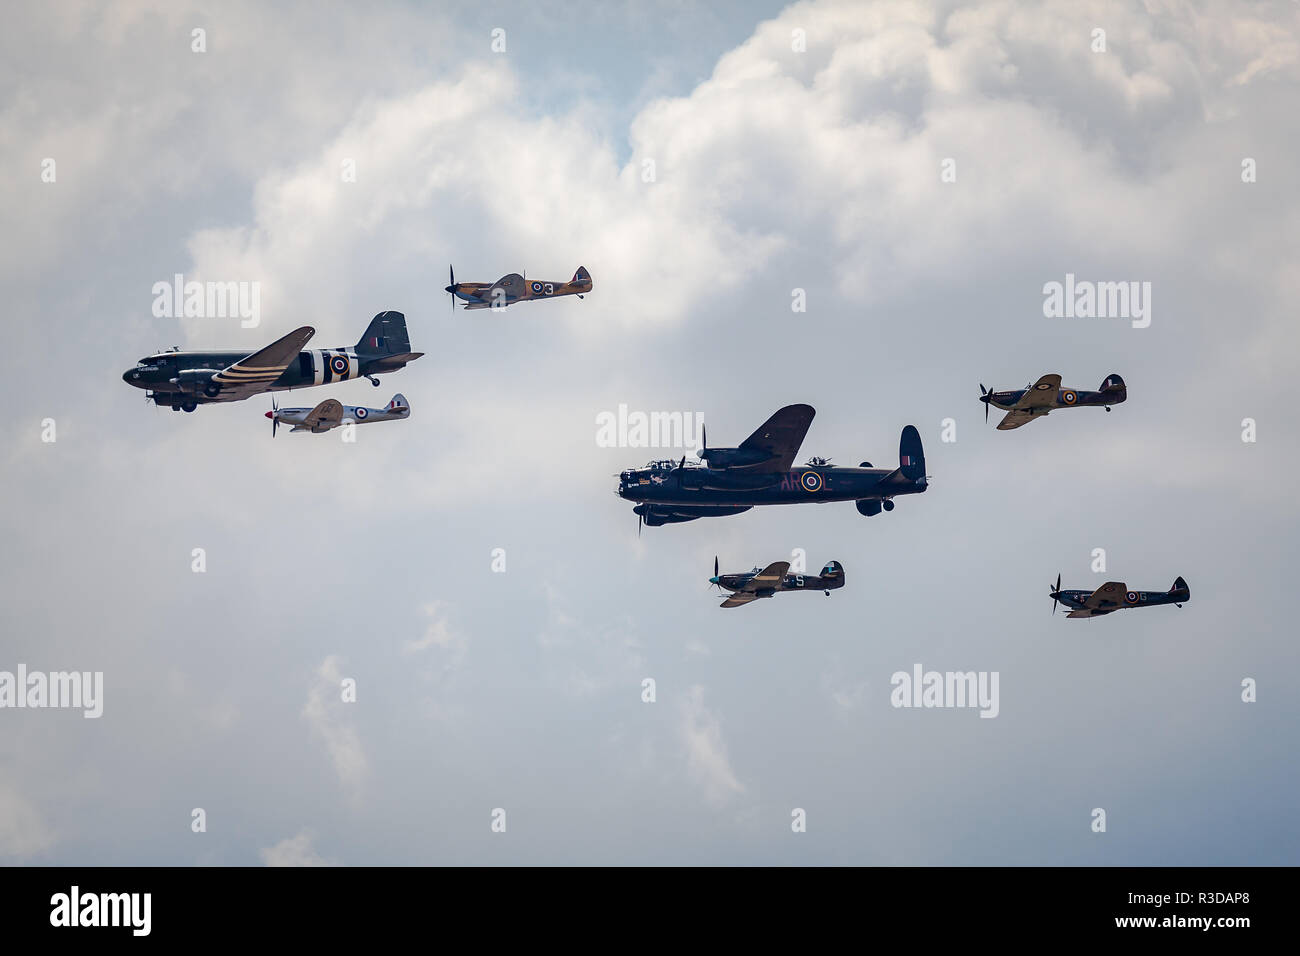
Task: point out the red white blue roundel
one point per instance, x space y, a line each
362 413
1043 386
537 287
1069 397
339 364
1131 597
811 481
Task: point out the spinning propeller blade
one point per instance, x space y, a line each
1056 594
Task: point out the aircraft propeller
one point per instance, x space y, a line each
640 521
713 581
275 420
451 289
1056 594
985 395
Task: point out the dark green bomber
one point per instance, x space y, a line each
761 472
185 380
754 585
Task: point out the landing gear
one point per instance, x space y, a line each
828 593
212 390
175 407
1107 408
887 505
373 381
189 405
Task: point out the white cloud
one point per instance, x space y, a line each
294 851
706 751
325 711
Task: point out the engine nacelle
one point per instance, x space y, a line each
734 457
196 380
868 506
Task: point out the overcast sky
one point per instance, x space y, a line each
774 169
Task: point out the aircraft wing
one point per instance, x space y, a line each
328 414
255 373
739 598
1042 394
1109 595
769 577
512 285
1015 418
1086 612
780 436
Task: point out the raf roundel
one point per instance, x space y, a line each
362 413
1131 597
1069 397
339 364
537 287
811 481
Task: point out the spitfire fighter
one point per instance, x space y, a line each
1023 405
185 380
331 414
752 585
762 472
515 288
1115 596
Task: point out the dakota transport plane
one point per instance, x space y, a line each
186 380
761 471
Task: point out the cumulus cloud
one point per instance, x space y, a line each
706 750
294 851
326 714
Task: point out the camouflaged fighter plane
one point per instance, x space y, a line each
186 380
515 288
331 414
750 586
1023 405
1115 596
762 472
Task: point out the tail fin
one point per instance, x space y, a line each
833 569
398 404
582 277
1113 382
385 335
1180 592
911 456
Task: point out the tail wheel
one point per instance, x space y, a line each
887 505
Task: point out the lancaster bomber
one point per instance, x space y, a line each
1115 596
515 288
185 380
1023 405
752 585
762 472
332 413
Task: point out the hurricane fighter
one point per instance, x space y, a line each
1115 596
749 586
761 471
186 380
1023 405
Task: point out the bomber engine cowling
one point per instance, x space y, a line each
196 380
868 506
